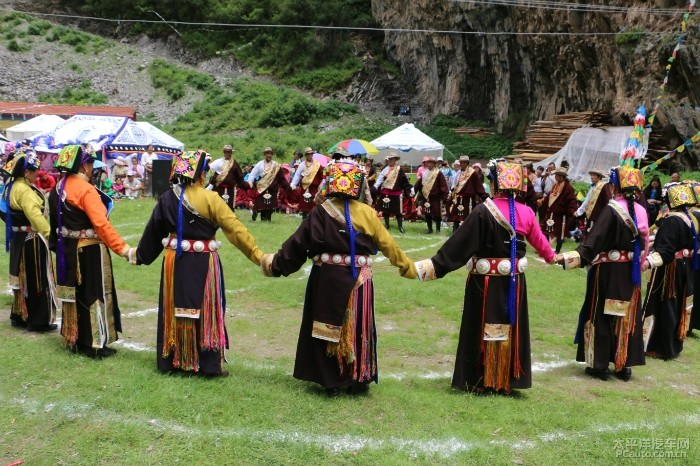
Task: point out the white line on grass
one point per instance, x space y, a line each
445 448
143 313
134 346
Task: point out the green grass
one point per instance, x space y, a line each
82 94
59 408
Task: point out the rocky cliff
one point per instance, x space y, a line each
511 80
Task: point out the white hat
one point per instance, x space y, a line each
130 173
120 161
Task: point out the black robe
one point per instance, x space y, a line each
669 288
191 274
482 236
600 336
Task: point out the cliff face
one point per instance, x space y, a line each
510 80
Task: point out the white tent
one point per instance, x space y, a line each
36 125
410 142
589 148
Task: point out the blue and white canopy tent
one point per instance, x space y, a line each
113 136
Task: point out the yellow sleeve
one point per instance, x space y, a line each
364 219
23 197
234 230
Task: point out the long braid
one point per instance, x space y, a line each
178 250
513 244
636 268
351 232
60 247
9 234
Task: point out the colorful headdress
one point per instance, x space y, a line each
695 185
344 179
72 157
190 164
679 195
627 179
511 177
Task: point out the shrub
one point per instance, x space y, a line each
175 80
14 46
38 28
83 94
630 37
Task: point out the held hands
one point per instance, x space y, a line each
645 265
129 254
558 259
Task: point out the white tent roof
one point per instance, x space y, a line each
589 148
412 143
36 125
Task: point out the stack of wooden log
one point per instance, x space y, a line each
476 132
546 137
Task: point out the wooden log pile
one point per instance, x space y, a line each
546 137
476 132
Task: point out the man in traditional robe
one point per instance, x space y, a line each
560 206
467 191
267 178
392 184
307 179
431 189
596 199
226 177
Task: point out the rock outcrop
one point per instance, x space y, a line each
511 80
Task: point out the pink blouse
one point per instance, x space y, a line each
526 224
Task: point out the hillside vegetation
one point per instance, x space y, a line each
248 113
319 59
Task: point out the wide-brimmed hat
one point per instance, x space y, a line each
268 149
228 147
429 159
463 158
477 165
561 171
308 150
597 171
120 161
131 173
393 155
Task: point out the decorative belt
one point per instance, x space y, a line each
684 253
495 266
613 256
342 259
23 228
192 245
86 233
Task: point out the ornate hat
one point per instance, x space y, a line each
344 179
190 164
72 157
679 195
627 179
510 177
695 186
26 161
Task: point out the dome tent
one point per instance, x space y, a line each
411 144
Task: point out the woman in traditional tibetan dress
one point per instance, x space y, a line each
611 321
26 236
82 237
674 258
494 340
191 329
337 339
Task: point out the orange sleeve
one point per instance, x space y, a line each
83 195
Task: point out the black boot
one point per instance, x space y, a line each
386 222
399 220
438 222
560 243
429 221
455 225
255 215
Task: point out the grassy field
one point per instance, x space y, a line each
60 408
